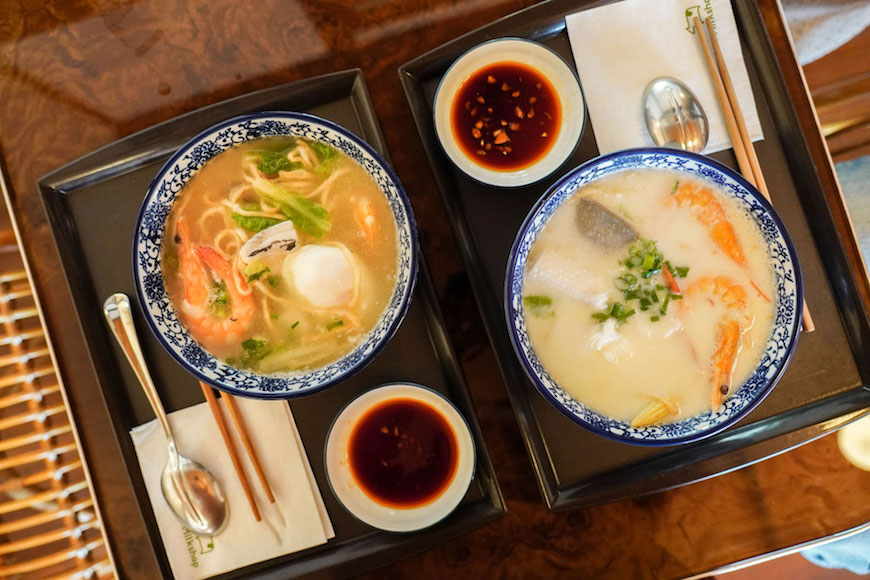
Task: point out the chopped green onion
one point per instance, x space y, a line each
273 281
253 343
335 324
540 306
643 262
654 318
294 325
676 185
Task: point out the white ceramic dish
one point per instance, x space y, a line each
550 65
787 279
368 510
148 240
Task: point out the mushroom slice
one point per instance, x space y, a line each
324 275
277 239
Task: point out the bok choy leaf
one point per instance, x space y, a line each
308 216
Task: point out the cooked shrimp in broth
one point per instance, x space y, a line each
280 255
660 309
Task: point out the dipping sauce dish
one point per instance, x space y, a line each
509 112
400 457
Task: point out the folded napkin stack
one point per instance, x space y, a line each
296 521
619 48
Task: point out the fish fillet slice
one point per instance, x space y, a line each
569 278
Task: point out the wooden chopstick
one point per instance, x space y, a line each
243 435
744 150
237 464
737 111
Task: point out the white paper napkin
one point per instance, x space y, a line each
619 48
296 521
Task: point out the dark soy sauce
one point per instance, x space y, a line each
506 116
403 453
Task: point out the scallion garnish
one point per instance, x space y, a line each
637 283
540 306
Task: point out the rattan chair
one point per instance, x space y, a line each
49 524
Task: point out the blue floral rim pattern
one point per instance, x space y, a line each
148 241
787 279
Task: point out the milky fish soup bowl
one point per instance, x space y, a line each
294 254
659 289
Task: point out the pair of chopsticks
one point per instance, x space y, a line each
744 150
246 442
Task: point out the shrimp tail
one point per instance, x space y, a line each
723 359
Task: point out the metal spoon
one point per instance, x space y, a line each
191 491
674 117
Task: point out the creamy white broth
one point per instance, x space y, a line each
619 368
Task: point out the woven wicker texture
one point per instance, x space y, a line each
49 527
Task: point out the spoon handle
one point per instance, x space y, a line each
120 318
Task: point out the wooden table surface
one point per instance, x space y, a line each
79 74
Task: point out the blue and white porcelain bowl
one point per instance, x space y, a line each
787 280
162 316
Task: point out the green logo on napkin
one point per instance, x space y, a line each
706 12
197 546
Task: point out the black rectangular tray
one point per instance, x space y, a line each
823 384
92 204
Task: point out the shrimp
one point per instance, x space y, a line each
710 212
206 325
365 217
729 331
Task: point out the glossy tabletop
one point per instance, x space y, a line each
79 74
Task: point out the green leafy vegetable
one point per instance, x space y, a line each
335 324
219 300
252 344
328 157
324 152
249 205
254 350
255 270
308 216
540 306
271 162
254 223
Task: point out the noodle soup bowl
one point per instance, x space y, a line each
787 283
161 314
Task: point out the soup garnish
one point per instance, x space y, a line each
280 255
647 296
506 116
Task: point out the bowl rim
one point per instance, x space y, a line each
422 391
583 122
405 299
783 362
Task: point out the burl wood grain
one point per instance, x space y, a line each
80 74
